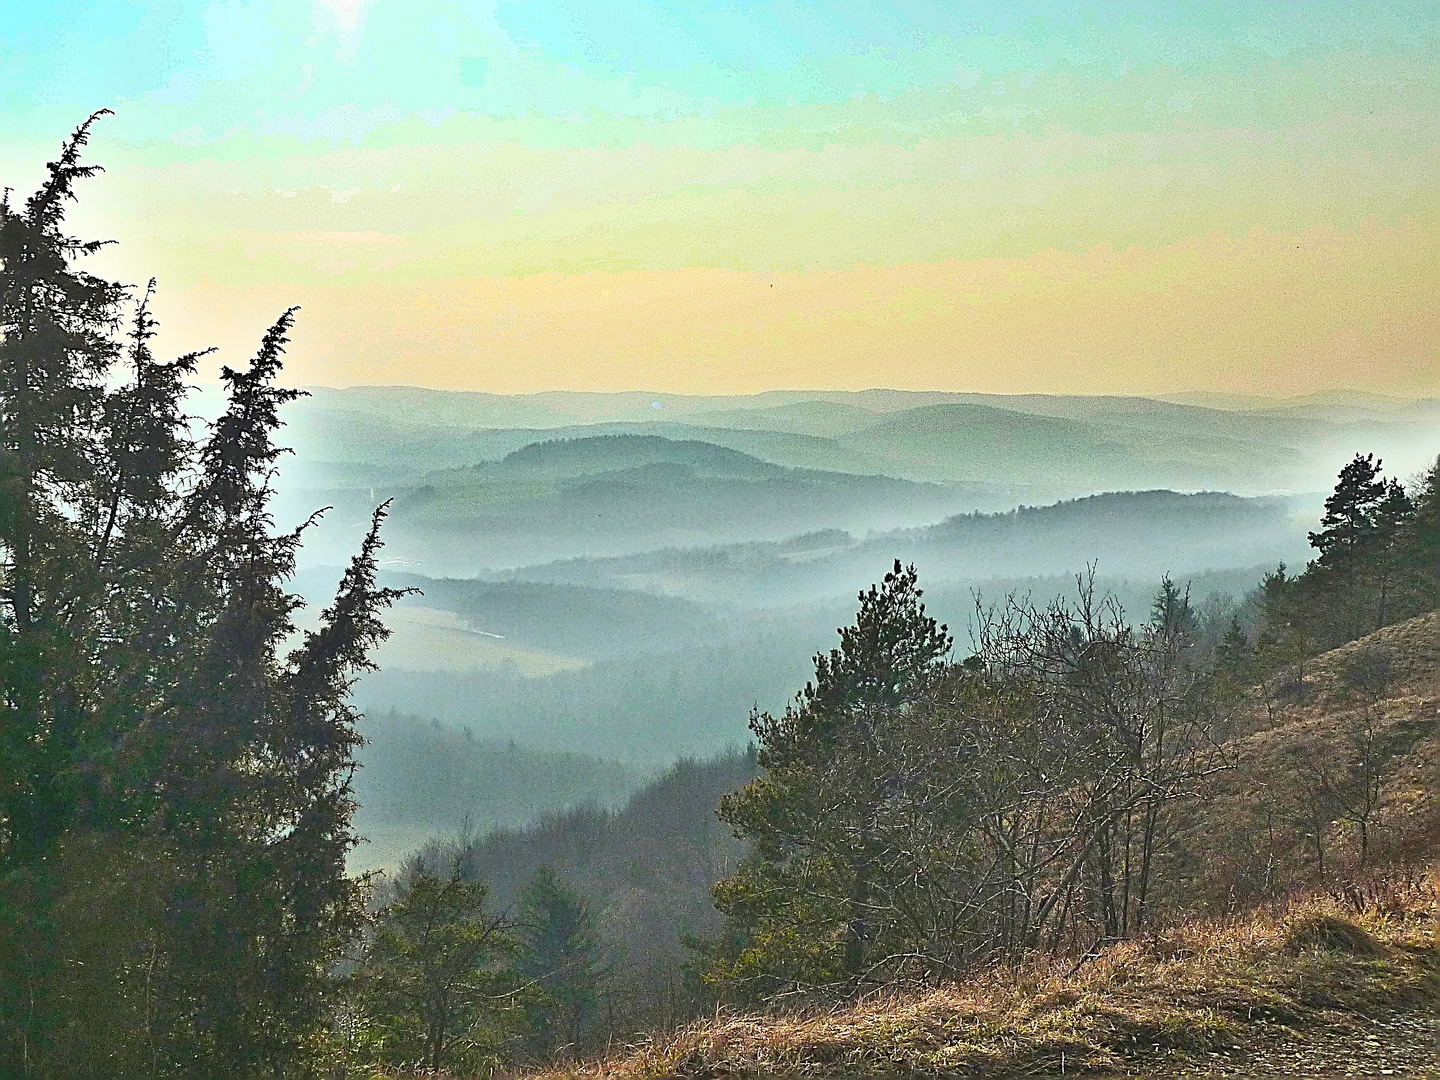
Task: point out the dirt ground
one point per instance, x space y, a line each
1401 1045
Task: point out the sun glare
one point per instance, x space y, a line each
346 12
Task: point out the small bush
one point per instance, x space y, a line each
1371 668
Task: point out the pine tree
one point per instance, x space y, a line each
174 791
1235 659
1384 550
55 349
801 901
1349 519
1422 540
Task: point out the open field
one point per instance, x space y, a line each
428 639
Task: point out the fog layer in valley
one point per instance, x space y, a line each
610 582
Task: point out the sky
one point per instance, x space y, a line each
724 197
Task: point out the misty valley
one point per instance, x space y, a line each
606 587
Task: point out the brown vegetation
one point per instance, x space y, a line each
1197 993
1337 776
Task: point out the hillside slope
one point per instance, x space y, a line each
1331 968
1146 532
1311 991
616 494
1347 739
647 867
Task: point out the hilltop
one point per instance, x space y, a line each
622 492
366 434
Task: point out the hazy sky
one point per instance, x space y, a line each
711 196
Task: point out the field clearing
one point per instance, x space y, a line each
428 639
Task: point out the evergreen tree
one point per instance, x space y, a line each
174 788
55 350
1349 522
1389 521
432 982
1235 665
561 954
1171 613
801 902
1422 540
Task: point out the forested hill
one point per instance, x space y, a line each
395 434
646 868
618 494
1138 534
555 459
1356 742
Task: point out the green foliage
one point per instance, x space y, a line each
918 817
432 990
1350 521
644 871
561 955
175 798
1170 611
808 820
1378 563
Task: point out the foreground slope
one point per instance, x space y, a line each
1331 967
1314 990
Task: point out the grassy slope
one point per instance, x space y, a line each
1197 993
1293 985
1289 736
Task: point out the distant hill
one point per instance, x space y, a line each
356 446
575 621
616 494
822 418
1133 534
564 458
645 708
419 779
975 442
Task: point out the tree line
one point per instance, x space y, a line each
177 759
1378 563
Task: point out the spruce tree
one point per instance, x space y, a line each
561 954
1171 613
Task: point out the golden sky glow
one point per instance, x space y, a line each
1265 312
502 197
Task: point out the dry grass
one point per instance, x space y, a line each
1249 841
1187 991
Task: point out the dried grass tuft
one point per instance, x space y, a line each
1323 930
